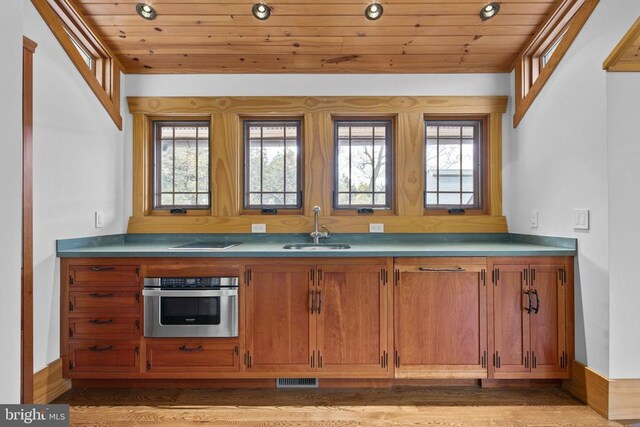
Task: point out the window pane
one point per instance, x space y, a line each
452 167
181 164
185 166
362 175
166 165
272 157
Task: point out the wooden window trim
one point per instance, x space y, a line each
104 77
485 163
530 77
298 210
150 208
353 211
616 60
318 114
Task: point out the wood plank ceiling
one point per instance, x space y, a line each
321 36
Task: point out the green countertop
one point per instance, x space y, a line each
362 245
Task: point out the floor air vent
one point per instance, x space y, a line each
297 383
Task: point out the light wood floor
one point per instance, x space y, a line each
405 406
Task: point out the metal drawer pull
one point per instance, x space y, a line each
528 294
537 307
319 301
440 269
101 268
97 295
185 348
96 348
100 322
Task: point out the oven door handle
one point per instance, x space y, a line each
190 293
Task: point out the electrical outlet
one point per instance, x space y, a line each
581 219
533 219
258 228
99 219
376 228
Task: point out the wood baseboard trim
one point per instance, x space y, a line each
613 399
48 383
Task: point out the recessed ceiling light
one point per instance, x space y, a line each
261 11
373 11
146 11
489 11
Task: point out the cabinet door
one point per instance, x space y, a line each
352 320
548 322
280 330
440 318
511 353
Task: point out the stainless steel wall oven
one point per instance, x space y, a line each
190 307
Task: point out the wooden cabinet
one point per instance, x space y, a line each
352 319
103 356
531 325
100 318
440 318
326 319
192 357
280 328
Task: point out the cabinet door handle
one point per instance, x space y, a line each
189 349
537 307
101 268
319 301
528 294
442 269
312 303
97 295
100 322
96 348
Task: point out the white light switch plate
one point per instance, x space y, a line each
581 219
376 228
533 219
99 219
258 228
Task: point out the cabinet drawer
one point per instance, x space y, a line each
192 355
104 356
104 302
112 275
104 327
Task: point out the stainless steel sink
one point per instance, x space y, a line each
316 246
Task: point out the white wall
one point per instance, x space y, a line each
558 163
309 85
11 196
78 169
624 204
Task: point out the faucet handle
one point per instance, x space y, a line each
326 231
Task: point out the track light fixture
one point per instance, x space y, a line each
146 11
261 11
489 11
373 11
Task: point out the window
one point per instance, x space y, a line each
272 164
93 59
546 49
453 160
546 56
181 165
363 164
86 56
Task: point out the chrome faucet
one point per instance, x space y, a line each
316 235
